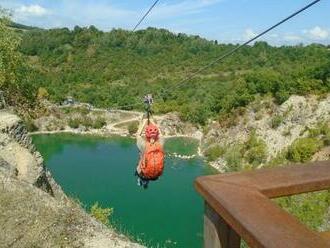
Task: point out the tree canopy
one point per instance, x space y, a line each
14 83
116 68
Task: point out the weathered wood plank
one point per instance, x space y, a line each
241 199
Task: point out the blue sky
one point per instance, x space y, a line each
224 20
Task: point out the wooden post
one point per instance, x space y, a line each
217 233
243 201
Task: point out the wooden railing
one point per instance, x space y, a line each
238 205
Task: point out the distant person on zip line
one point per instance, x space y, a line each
150 144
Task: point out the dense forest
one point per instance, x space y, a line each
115 69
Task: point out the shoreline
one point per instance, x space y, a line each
108 134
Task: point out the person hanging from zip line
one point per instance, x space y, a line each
150 143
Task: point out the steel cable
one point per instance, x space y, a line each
226 54
145 15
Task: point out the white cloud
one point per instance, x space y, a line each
273 35
292 37
249 34
31 10
317 33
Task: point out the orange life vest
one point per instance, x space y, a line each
152 161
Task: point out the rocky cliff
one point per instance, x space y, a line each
276 127
34 211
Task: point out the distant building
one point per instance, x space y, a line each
69 101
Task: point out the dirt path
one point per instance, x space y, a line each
112 125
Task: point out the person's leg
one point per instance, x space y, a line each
139 182
145 184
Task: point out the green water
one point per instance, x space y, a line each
168 214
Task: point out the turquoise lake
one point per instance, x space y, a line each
167 214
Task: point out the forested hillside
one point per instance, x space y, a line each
15 83
117 68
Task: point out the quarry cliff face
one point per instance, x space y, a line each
34 211
278 126
19 154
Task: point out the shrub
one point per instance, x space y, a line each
278 160
228 120
281 96
30 126
101 214
276 121
197 114
326 139
214 152
99 123
234 158
258 116
286 132
50 127
255 150
323 131
256 155
42 93
310 208
82 110
87 122
132 128
315 132
66 110
303 149
74 123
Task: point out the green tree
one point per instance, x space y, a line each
13 72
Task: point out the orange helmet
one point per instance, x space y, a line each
152 132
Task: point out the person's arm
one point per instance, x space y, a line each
141 127
140 142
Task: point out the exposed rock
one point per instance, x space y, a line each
34 211
322 155
295 116
172 125
32 218
219 164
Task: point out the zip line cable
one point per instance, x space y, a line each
230 52
136 26
145 15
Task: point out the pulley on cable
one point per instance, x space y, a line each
148 101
